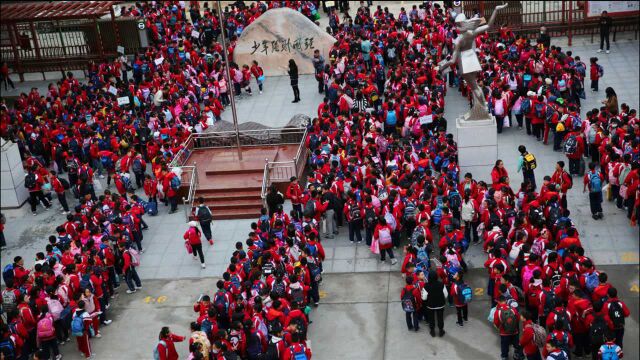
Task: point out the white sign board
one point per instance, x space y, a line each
427 119
120 49
595 8
158 61
123 100
112 89
195 34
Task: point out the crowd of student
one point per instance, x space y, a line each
261 307
67 292
127 128
383 162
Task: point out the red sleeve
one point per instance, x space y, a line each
162 350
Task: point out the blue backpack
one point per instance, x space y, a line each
175 182
609 352
8 348
77 326
465 294
525 106
7 274
391 118
595 182
422 258
591 281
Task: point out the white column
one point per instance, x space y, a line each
12 191
477 147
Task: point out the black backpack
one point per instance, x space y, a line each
204 214
370 217
564 319
408 301
616 314
272 352
598 331
65 184
30 181
354 212
310 208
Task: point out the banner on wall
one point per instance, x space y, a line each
595 8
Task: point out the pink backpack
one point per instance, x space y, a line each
384 236
527 274
55 308
45 328
135 257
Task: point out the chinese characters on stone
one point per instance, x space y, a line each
284 45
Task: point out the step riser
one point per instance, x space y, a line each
209 199
222 207
259 172
242 190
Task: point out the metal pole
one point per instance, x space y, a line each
570 22
229 85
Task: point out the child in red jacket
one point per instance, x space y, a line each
595 72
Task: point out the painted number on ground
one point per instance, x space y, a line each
478 291
158 300
323 294
634 288
629 257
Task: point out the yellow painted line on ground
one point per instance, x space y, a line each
159 300
323 294
629 257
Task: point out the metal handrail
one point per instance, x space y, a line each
265 181
301 154
270 136
193 185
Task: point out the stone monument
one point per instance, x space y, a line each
12 191
477 134
279 35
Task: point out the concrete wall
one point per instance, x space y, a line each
12 191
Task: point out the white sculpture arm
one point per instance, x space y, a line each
482 29
454 58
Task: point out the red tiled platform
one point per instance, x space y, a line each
230 187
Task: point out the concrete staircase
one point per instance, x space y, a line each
231 187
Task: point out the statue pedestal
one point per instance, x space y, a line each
477 147
12 191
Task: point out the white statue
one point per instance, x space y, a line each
465 54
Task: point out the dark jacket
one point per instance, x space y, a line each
436 298
273 200
334 202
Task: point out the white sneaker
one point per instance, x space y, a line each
260 91
59 356
34 213
138 287
599 51
98 335
608 52
101 176
203 266
130 291
394 261
107 322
